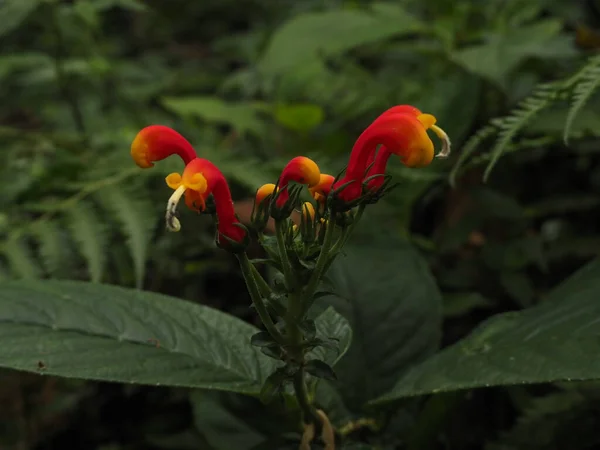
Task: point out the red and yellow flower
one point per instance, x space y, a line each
200 179
402 131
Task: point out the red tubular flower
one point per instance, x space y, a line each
300 169
156 142
199 180
401 130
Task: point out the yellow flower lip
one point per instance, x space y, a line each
428 121
194 182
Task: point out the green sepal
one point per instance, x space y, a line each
273 386
262 339
320 369
309 329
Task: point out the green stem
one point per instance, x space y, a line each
300 389
338 246
261 309
288 273
321 261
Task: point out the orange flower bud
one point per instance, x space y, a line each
263 192
321 190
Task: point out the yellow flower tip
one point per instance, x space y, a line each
306 169
427 120
139 151
173 180
263 192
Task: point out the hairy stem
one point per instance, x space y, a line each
301 390
261 309
340 244
321 261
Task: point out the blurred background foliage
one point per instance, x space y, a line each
252 83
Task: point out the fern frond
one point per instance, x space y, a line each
20 259
588 81
137 220
90 236
507 127
52 245
541 98
469 148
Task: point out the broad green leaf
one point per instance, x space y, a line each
504 51
554 341
301 117
312 35
108 333
331 325
330 399
456 305
389 297
242 116
229 421
14 12
132 5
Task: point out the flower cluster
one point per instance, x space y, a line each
401 131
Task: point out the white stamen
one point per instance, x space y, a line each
171 219
445 151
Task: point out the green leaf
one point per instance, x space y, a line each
229 421
320 369
309 36
132 5
242 116
108 333
90 235
395 316
137 220
457 305
504 51
332 325
14 12
554 341
301 117
273 385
